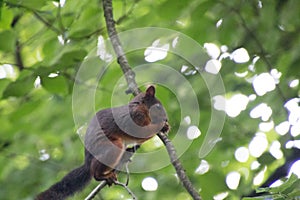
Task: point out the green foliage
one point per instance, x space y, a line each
44 46
10 40
288 190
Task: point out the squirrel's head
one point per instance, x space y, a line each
156 109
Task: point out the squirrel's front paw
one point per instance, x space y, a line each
166 127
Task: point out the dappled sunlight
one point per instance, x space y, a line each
232 106
276 75
221 196
156 51
295 129
44 155
258 144
242 74
7 71
101 50
262 111
37 82
282 128
217 54
294 115
295 169
233 180
213 66
294 83
266 126
258 179
241 154
259 4
60 3
263 83
276 183
184 70
275 150
255 165
212 50
149 184
193 132
53 75
219 23
240 55
291 144
175 42
251 67
62 40
187 120
203 167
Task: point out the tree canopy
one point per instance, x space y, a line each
226 72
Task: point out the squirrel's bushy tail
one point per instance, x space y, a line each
71 183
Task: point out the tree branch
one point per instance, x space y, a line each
132 85
122 60
18 56
178 167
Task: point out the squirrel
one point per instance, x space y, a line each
108 134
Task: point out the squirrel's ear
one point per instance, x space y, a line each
150 91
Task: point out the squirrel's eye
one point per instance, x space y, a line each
158 106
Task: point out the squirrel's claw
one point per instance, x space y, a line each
166 128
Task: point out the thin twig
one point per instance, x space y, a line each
127 188
96 190
18 56
47 23
126 158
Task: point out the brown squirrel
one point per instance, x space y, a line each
106 139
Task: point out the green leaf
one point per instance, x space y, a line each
24 110
57 85
69 58
266 159
20 87
264 197
50 48
80 28
6 17
261 190
286 185
295 193
33 4
8 41
3 85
